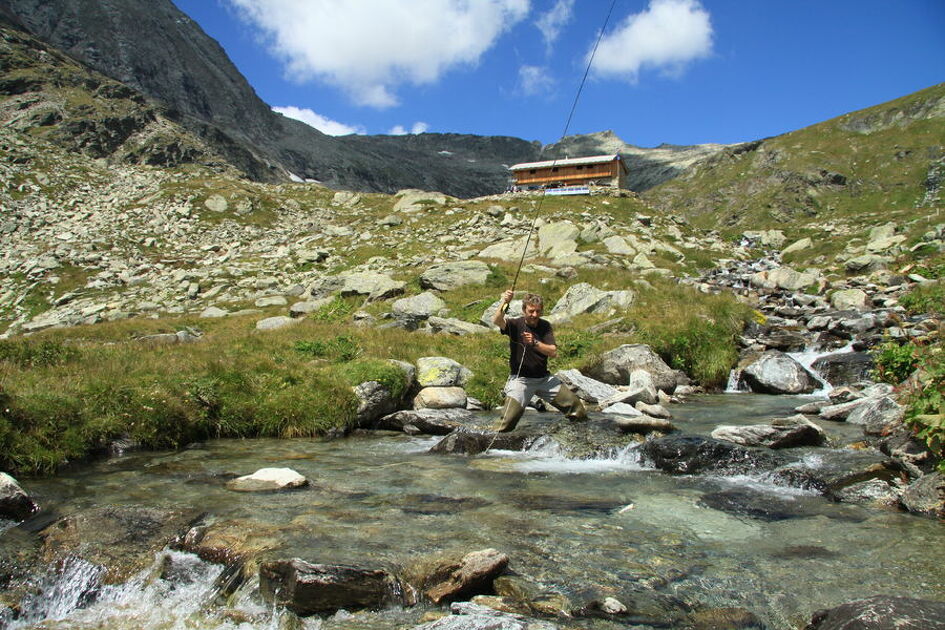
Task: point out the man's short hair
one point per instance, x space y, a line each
532 299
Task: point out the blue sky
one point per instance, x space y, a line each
667 71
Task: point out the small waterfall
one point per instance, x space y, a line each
547 456
808 357
735 384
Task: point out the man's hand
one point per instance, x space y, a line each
499 317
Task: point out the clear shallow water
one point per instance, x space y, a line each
603 527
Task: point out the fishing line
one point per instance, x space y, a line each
564 133
505 307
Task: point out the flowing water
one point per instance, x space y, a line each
580 528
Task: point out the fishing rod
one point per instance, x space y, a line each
567 125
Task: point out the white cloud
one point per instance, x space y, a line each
323 124
551 23
418 127
667 36
369 47
533 80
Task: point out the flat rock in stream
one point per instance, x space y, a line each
308 589
833 470
426 421
469 616
468 442
268 480
767 506
881 612
121 539
692 454
461 578
779 433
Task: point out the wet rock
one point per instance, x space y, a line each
615 367
446 578
440 398
926 496
832 470
15 503
307 589
268 480
690 454
881 612
120 539
875 414
644 425
426 421
846 368
723 619
776 373
779 433
468 442
441 372
754 504
452 275
469 616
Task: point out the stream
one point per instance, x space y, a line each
608 527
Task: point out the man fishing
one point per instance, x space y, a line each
531 343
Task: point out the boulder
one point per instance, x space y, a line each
642 384
779 433
840 411
216 203
213 312
308 589
615 367
15 503
616 245
849 300
376 286
515 310
586 388
441 372
301 309
845 368
440 398
875 414
411 200
268 480
881 612
584 298
453 326
510 249
788 279
417 308
426 421
798 245
776 373
690 454
558 239
271 300
447 578
926 496
274 323
375 400
452 275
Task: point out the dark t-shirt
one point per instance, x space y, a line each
534 364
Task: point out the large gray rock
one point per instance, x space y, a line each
867 263
779 433
881 612
926 496
307 589
615 367
586 388
585 298
511 249
776 373
441 372
15 503
783 278
452 275
469 442
849 299
375 400
416 308
440 398
376 286
274 323
558 239
846 368
876 413
515 310
453 326
411 200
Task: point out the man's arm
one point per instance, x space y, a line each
499 317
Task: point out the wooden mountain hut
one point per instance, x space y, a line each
598 170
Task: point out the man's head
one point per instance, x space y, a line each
532 306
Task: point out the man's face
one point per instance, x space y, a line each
532 313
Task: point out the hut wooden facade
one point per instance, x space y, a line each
600 170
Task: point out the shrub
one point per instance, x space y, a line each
893 362
925 298
26 354
388 374
925 399
341 348
337 310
